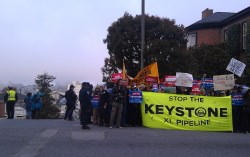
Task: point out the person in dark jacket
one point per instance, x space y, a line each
103 103
237 105
10 100
134 117
118 95
246 112
71 98
183 90
85 105
28 104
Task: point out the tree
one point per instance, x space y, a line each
234 39
43 83
164 41
108 69
210 60
246 75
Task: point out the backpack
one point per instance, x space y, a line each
35 98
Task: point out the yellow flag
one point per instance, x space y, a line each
123 71
150 70
154 70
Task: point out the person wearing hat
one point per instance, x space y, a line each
85 104
71 98
10 100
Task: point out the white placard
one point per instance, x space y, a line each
224 82
184 79
236 67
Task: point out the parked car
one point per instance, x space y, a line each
20 112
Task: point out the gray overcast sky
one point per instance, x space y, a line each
65 37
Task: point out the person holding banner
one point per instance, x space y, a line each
237 105
134 107
118 95
246 112
183 90
155 88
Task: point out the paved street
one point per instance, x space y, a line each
60 138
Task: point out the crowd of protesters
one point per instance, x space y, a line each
108 105
104 105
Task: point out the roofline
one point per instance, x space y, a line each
220 24
236 16
204 25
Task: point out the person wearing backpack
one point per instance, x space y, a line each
36 104
71 98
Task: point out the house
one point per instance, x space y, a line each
213 27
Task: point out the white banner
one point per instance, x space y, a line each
236 67
224 82
184 79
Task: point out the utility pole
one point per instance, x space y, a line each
142 32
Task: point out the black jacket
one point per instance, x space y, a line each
71 97
84 96
104 97
118 94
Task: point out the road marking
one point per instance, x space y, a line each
49 133
36 144
79 135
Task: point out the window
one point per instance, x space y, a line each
226 35
244 35
191 40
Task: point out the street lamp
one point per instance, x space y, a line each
142 32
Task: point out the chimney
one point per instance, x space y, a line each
207 12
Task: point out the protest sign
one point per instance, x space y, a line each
185 112
116 77
236 67
135 97
150 79
184 79
207 83
196 87
170 81
223 82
